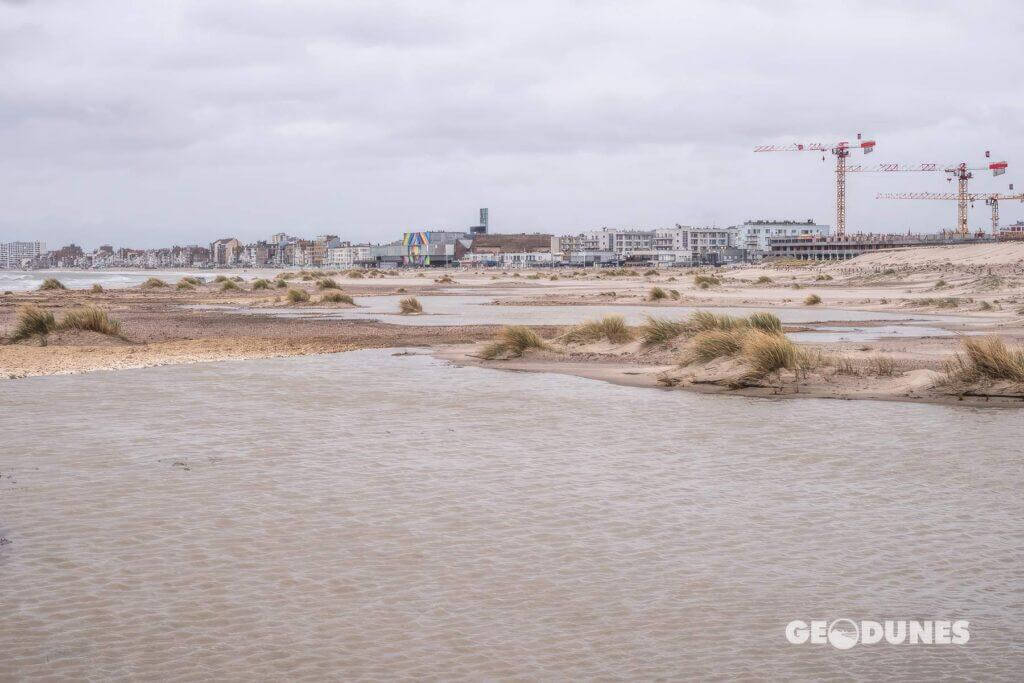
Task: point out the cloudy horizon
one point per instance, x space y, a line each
184 121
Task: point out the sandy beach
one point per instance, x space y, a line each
960 291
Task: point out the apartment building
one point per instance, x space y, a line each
623 242
756 236
15 254
347 255
225 251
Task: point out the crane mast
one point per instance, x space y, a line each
991 199
841 150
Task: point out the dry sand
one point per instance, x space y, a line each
983 285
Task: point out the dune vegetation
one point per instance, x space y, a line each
986 358
51 283
511 342
153 283
92 319
32 321
410 305
660 331
336 298
656 331
706 281
297 296
611 327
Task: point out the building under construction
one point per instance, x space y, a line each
840 248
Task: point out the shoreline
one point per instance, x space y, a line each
647 377
164 325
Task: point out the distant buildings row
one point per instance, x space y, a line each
677 245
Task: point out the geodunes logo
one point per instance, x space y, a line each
843 634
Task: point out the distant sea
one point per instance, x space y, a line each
27 280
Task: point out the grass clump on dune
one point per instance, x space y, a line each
766 322
260 283
280 284
703 320
882 366
941 302
228 285
762 352
987 358
91 319
764 280
656 293
355 274
336 298
812 300
660 330
705 281
153 283
191 280
184 286
708 345
327 283
612 327
447 279
297 296
766 353
410 305
512 341
51 283
96 288
220 278
33 321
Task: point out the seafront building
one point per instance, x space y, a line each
755 236
476 245
16 254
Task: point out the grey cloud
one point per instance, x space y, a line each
372 117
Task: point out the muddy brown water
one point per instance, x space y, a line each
364 515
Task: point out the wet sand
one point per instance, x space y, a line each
162 327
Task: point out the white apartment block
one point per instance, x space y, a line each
757 235
13 254
525 259
562 246
703 240
672 239
622 242
347 255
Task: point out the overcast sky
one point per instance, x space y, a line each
150 123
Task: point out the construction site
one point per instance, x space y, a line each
844 245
